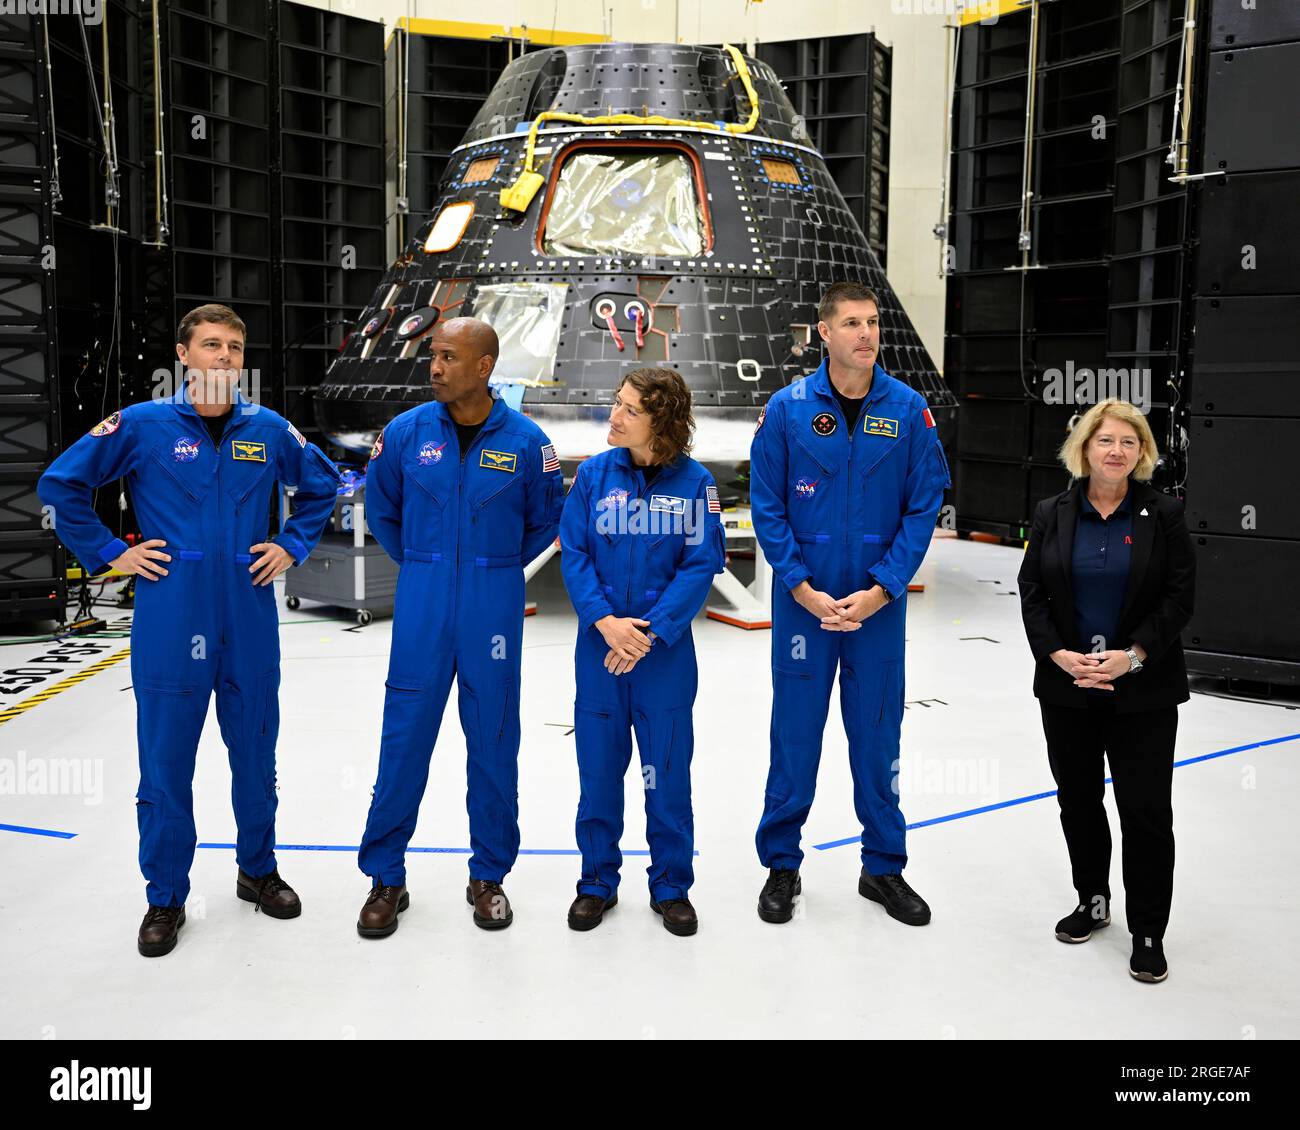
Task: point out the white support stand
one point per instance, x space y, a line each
532 568
750 606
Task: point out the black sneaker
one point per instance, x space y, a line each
898 899
1148 960
776 899
159 930
1087 916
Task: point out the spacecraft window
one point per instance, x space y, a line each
781 172
528 317
481 170
449 226
627 201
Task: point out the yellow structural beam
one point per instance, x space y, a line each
984 9
459 29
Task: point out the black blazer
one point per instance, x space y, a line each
1157 602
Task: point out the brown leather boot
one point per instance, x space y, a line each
378 916
491 907
159 930
271 894
587 911
678 915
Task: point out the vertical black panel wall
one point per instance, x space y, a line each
1244 427
1011 330
276 130
31 561
841 87
222 162
330 195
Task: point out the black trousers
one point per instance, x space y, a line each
1140 748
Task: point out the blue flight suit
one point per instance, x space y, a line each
205 625
462 532
843 509
649 553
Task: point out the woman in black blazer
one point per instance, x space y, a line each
1105 590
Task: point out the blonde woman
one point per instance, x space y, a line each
1105 589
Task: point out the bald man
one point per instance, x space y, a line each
462 493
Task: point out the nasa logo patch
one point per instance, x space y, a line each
107 427
430 453
616 497
806 488
186 450
825 423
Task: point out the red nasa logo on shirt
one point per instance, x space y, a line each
186 450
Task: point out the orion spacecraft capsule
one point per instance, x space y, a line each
620 205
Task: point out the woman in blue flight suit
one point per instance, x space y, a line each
641 539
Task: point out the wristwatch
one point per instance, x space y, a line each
1134 663
888 595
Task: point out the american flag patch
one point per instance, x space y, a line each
550 462
711 493
929 420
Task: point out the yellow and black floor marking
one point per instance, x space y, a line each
62 685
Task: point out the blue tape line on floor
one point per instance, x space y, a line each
1052 792
37 831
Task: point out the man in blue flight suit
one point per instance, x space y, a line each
847 477
201 467
462 492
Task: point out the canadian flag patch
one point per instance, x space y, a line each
929 420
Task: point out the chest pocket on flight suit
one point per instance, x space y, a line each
188 483
495 501
811 520
422 537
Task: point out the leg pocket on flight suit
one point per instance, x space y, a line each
167 730
792 740
593 728
249 717
155 838
671 735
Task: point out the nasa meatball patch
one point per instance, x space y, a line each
430 453
107 427
185 450
825 423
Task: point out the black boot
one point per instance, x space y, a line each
159 930
898 899
1091 914
776 899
